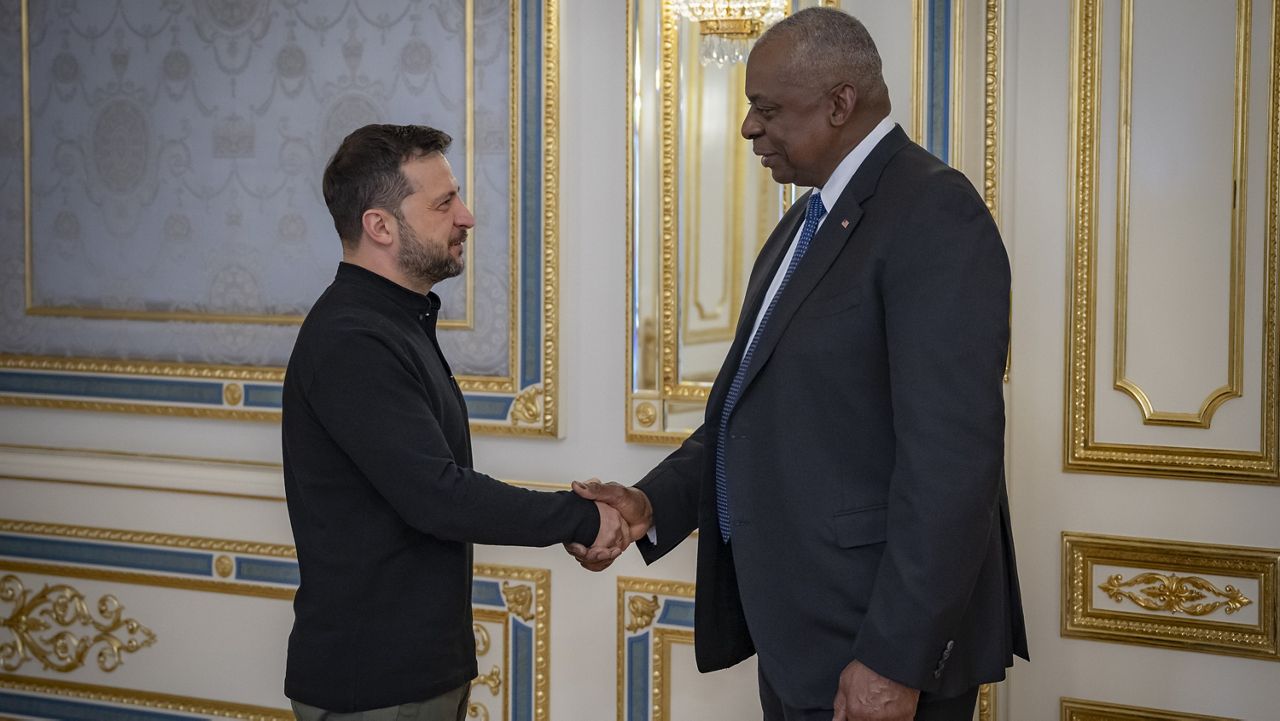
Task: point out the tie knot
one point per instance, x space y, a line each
816 209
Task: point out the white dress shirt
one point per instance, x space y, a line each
830 193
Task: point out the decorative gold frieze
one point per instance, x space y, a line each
64 607
642 612
1171 581
1161 592
1074 709
519 600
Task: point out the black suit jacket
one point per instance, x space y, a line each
865 455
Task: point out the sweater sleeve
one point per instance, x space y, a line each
371 401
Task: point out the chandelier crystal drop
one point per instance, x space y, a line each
728 27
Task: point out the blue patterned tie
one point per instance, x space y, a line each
812 215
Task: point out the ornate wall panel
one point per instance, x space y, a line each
1173 334
48 571
1080 710
700 206
173 234
1187 596
653 616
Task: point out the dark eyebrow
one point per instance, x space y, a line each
441 200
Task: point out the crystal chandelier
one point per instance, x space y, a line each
728 27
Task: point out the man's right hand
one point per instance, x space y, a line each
635 510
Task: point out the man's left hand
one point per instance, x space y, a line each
865 695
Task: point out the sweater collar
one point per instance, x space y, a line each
389 289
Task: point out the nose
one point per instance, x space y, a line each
464 218
751 127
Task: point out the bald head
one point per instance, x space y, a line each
828 47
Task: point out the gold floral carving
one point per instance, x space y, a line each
642 612
1174 594
519 600
527 406
65 651
233 394
478 710
493 680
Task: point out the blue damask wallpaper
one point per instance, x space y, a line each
176 154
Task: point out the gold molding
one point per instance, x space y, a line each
630 589
143 699
201 585
1167 625
1074 709
146 538
1234 386
1082 451
987 702
540 595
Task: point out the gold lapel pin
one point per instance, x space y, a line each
844 223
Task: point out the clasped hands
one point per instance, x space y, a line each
625 517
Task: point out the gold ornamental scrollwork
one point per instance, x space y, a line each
62 606
478 711
483 642
519 600
491 680
527 406
1175 594
233 394
642 612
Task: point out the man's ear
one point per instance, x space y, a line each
379 226
844 102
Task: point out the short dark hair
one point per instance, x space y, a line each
365 172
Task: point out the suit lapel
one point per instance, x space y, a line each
761 274
825 247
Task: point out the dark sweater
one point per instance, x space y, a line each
384 504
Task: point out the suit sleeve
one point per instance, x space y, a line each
374 406
946 313
673 491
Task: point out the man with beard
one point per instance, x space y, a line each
382 497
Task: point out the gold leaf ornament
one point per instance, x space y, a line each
64 607
1174 594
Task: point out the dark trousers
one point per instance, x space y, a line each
958 708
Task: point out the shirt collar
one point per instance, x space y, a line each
840 177
400 295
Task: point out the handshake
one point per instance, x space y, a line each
625 517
